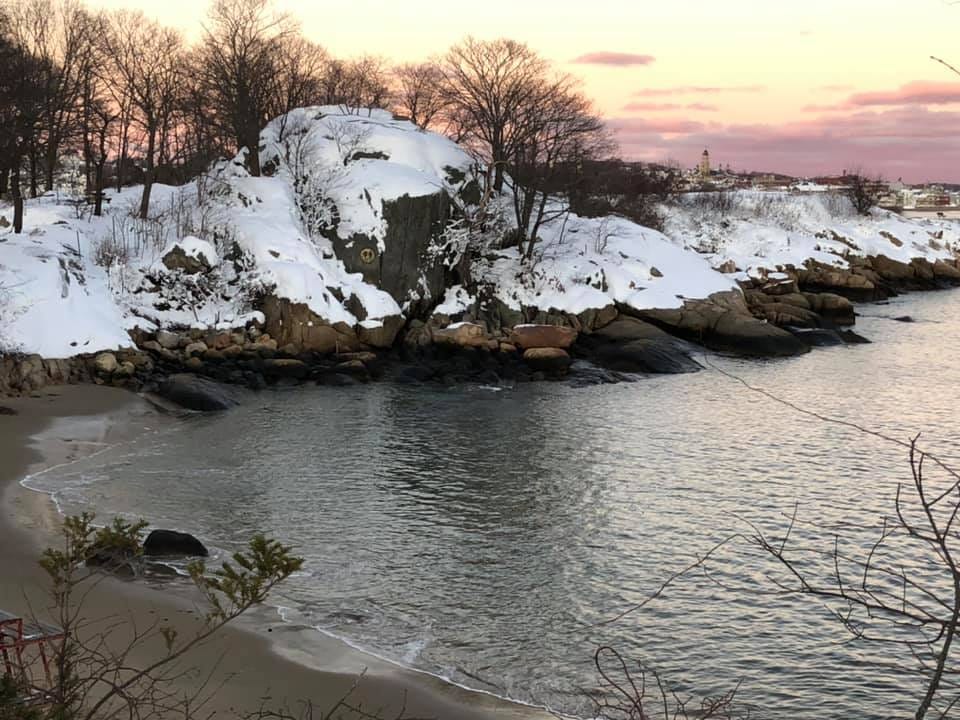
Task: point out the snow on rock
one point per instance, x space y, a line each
766 231
363 159
591 263
266 224
193 247
456 300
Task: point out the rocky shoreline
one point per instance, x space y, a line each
778 315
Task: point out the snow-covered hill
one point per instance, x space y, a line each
758 232
349 234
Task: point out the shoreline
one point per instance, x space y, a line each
61 424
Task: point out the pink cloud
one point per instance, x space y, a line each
910 142
698 90
915 93
824 108
616 59
642 127
663 107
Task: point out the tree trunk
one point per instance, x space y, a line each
98 188
34 180
122 157
51 159
17 199
4 181
252 143
148 174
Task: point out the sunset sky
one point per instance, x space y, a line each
804 86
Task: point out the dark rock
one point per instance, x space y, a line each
585 374
195 393
547 360
853 338
903 319
177 259
723 322
819 337
415 374
170 543
287 368
7 411
406 263
629 345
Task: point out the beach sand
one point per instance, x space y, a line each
62 424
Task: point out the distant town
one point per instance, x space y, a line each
898 196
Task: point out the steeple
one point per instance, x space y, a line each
705 165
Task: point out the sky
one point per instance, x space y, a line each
804 87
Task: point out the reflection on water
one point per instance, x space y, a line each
484 535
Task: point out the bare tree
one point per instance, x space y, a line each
862 191
419 92
62 36
556 128
490 83
298 76
366 84
239 56
148 59
22 102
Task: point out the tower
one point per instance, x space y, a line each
705 165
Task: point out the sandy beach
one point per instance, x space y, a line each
62 424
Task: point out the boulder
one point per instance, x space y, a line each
542 336
548 360
380 333
947 271
463 334
782 286
291 323
105 363
265 342
819 337
196 393
849 336
859 285
285 367
170 543
629 345
125 369
783 314
168 340
835 308
594 319
723 322
196 348
890 269
189 264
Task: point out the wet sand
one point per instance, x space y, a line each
64 423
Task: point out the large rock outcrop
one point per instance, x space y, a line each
723 322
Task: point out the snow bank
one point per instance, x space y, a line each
766 231
591 263
53 299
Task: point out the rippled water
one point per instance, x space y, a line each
483 534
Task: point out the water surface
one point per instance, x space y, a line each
487 535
